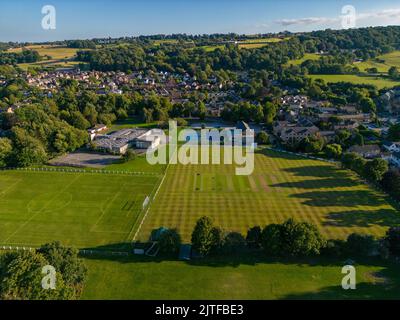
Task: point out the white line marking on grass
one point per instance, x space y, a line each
149 205
3 192
107 206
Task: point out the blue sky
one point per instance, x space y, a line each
20 20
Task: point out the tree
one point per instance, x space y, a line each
375 169
368 105
21 274
301 238
314 144
129 155
147 115
233 242
269 110
358 139
354 162
79 121
67 263
391 183
392 238
271 239
5 151
394 132
253 237
262 137
28 150
203 236
393 73
333 150
169 241
202 110
360 244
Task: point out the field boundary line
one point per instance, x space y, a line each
81 251
92 171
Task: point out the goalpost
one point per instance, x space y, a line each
146 202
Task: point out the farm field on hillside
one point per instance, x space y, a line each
59 56
382 63
280 187
79 209
307 56
379 82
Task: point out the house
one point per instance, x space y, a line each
391 100
297 134
12 108
97 128
118 142
150 139
395 159
289 132
329 136
346 126
367 151
391 146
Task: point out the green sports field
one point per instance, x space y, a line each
236 278
280 187
79 209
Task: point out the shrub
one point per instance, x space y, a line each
169 242
129 155
333 150
392 239
253 238
360 245
262 137
233 242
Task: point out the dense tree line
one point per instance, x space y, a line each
287 239
25 56
81 44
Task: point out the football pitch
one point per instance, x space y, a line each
281 186
99 210
85 210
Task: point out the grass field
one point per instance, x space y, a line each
79 209
307 56
227 278
60 56
280 187
391 59
258 42
379 82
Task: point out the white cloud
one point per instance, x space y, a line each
382 16
306 21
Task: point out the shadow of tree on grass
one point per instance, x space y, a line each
350 198
363 218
